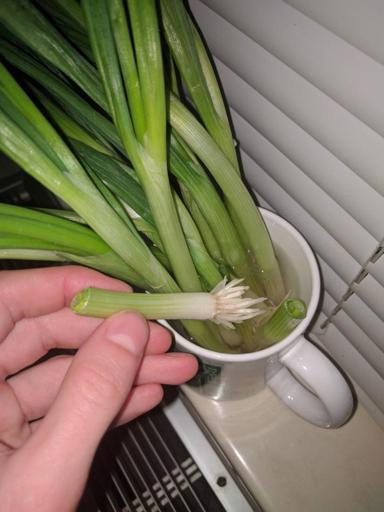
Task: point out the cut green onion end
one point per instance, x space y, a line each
286 317
80 301
296 308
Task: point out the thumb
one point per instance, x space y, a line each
93 391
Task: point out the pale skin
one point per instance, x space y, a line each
54 414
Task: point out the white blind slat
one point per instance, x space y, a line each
329 304
356 337
377 270
323 244
330 215
353 363
361 341
304 151
350 19
353 142
340 70
333 283
366 319
371 292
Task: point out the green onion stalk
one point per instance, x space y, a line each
267 269
25 233
193 62
72 184
147 151
130 247
223 226
224 305
283 321
156 193
141 121
27 137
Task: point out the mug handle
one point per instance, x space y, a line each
329 403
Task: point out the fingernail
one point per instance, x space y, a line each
130 331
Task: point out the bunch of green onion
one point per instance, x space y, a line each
115 108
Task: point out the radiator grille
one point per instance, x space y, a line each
145 467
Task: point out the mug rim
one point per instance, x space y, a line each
295 334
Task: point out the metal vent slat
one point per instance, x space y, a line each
144 467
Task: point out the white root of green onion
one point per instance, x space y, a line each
224 305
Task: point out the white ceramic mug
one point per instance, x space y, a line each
296 371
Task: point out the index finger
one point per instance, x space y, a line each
35 292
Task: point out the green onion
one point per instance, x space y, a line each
15 242
23 229
206 233
237 195
55 166
69 99
63 214
188 170
71 129
225 304
233 243
125 186
23 19
146 228
30 254
149 160
68 17
128 66
34 157
156 192
194 66
286 318
68 11
119 180
205 265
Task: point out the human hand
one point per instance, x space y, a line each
54 414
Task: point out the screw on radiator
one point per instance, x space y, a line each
221 481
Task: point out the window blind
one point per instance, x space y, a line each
304 81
